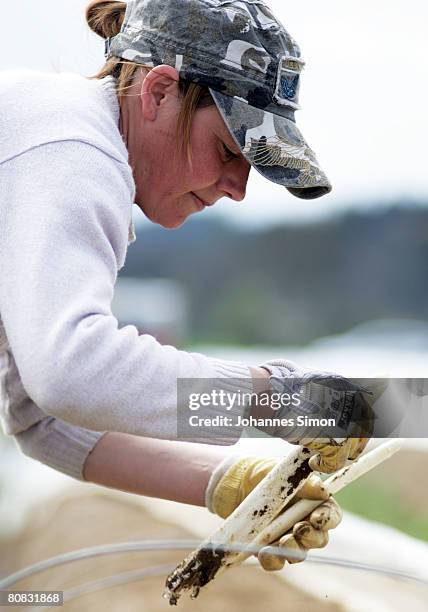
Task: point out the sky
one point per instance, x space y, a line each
363 94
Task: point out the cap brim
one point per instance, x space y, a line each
274 146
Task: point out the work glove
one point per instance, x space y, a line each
327 395
236 477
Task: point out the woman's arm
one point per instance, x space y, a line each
177 471
115 460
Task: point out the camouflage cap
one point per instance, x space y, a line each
251 65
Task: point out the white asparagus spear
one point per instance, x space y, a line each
255 513
199 568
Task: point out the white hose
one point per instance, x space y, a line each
157 545
159 570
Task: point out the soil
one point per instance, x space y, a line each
405 474
95 519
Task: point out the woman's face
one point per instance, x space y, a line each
169 188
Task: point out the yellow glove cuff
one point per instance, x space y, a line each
239 480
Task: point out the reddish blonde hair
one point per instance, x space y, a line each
105 18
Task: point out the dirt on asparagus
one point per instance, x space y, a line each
94 519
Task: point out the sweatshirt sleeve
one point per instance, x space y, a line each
55 443
64 218
59 445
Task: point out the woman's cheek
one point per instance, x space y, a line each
207 169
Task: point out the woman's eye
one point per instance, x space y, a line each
229 154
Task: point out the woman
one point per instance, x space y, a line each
193 93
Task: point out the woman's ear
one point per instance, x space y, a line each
160 85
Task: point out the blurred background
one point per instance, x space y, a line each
337 284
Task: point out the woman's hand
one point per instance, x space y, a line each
326 395
233 480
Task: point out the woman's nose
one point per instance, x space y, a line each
233 181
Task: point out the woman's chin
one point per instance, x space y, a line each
173 223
